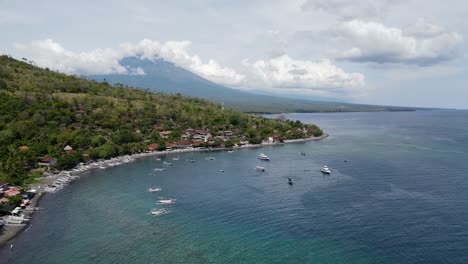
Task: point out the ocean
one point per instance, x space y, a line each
397 193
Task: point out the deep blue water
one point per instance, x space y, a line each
401 197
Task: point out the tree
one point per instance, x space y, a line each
15 200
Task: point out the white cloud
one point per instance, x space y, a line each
305 77
349 9
48 53
422 44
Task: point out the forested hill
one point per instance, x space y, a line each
48 116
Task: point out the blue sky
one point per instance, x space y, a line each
366 51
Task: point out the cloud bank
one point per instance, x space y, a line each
281 73
420 44
48 53
303 76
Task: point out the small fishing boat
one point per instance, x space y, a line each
259 168
325 169
303 153
154 189
166 201
210 158
290 181
176 158
160 211
167 163
263 157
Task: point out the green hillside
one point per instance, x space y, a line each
42 112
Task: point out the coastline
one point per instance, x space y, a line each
9 232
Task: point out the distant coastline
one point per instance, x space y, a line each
11 231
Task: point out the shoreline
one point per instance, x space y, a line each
11 231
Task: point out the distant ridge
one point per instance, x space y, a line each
164 76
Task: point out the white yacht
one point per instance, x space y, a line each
263 157
325 169
260 168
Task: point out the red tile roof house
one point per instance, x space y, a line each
164 134
48 161
170 145
152 147
184 144
12 192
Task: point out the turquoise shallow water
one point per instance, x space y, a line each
401 197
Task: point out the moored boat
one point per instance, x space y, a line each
260 168
325 169
166 201
263 157
154 189
160 211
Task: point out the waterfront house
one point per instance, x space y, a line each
184 144
12 192
152 147
48 161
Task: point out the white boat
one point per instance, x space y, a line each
260 168
159 211
154 189
210 158
325 170
159 169
166 201
167 163
15 219
176 158
263 157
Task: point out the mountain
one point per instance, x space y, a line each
163 76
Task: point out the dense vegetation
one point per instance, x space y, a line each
42 111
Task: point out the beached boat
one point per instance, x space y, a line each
166 201
325 170
154 189
263 157
160 211
260 168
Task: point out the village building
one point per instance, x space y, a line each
184 144
48 161
152 147
165 134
